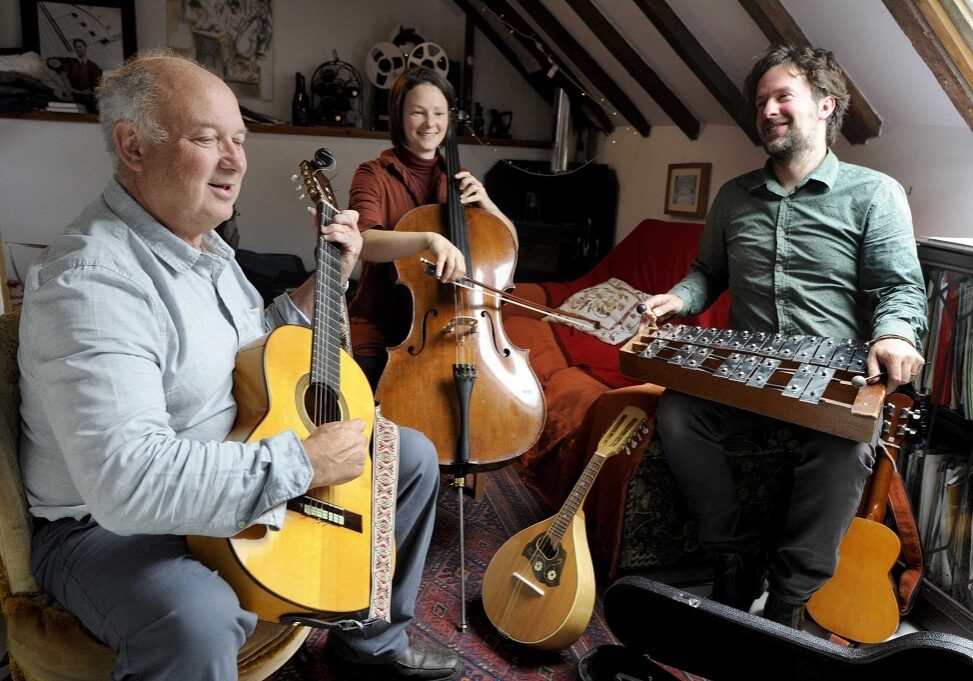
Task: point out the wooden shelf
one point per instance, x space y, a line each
317 131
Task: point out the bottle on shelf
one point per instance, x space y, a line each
301 106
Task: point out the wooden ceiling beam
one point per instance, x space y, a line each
695 56
589 67
861 123
633 62
561 77
543 87
913 23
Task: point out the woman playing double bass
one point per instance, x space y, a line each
410 174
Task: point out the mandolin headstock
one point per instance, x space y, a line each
624 433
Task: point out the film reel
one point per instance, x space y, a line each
383 63
430 55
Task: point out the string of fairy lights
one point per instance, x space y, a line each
552 69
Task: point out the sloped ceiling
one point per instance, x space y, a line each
640 63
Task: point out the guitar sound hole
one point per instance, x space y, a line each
322 404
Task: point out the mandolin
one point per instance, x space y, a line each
539 588
319 566
860 602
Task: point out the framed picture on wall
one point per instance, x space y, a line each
80 41
234 40
687 189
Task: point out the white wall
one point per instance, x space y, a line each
50 170
934 164
642 165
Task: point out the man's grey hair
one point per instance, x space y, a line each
132 93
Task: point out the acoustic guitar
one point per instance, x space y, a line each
539 588
319 565
860 602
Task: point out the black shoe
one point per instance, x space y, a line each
738 578
780 611
421 660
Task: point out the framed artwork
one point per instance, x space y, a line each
80 41
687 189
233 40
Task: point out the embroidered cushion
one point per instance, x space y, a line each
612 305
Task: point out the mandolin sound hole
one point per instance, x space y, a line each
323 404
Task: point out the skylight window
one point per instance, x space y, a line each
952 22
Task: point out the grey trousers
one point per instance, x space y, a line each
169 617
828 475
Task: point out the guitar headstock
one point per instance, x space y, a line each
624 433
901 419
315 185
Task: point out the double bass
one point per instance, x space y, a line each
457 377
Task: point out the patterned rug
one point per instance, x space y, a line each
507 507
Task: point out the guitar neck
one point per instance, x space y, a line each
326 322
895 428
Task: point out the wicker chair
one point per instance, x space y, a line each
44 641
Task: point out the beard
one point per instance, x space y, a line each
789 145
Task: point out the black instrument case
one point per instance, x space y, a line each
658 623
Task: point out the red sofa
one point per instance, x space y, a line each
582 384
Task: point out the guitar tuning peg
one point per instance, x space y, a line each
294 178
301 196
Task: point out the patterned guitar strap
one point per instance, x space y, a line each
385 474
385 477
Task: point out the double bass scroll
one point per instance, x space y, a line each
805 380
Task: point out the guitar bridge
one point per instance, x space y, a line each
325 512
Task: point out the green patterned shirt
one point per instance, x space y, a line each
835 257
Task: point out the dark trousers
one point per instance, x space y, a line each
828 475
168 616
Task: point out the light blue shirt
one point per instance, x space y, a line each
834 257
127 344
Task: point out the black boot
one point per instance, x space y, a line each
738 578
780 611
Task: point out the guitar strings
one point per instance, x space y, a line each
326 344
